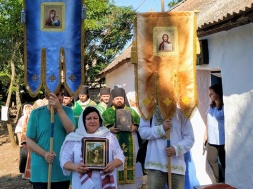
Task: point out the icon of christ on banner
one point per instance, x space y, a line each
166 65
165 39
165 45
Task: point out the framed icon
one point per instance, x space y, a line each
165 40
52 16
95 152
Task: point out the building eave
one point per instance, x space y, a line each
227 23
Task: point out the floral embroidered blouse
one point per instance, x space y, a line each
181 138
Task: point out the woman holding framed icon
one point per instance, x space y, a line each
75 154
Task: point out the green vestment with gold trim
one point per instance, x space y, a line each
101 107
126 141
77 109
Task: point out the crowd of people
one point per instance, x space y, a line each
116 166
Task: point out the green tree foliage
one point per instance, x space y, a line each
10 54
11 40
108 28
10 33
174 2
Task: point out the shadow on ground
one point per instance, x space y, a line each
10 182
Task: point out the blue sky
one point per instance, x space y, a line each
145 5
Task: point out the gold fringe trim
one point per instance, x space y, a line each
82 56
25 55
63 66
134 52
197 46
43 68
32 94
126 179
82 63
188 109
134 55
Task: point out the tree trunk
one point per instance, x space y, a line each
9 123
11 134
18 102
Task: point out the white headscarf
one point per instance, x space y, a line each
25 108
81 131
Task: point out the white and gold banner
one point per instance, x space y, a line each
166 62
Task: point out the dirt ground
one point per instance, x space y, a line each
10 178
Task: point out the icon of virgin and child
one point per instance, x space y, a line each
53 19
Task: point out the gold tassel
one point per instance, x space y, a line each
197 46
134 56
43 66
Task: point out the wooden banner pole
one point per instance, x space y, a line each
51 147
162 2
169 161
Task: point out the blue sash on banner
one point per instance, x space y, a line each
53 45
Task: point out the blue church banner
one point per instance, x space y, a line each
54 38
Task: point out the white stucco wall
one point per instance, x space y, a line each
231 51
123 77
204 173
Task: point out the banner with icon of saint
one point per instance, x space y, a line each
53 50
166 62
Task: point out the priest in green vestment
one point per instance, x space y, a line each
82 102
77 109
132 175
84 98
104 94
